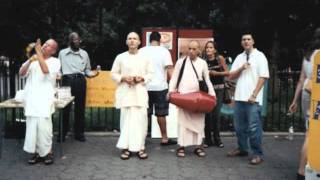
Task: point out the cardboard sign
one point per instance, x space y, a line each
314 124
100 90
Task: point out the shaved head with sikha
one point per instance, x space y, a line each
194 49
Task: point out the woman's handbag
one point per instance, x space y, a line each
200 102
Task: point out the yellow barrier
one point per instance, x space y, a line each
314 126
100 90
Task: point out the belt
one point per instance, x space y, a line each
74 76
218 86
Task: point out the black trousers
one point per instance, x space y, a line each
78 85
212 121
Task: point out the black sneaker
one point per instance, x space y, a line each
48 159
35 159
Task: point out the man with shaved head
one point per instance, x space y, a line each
41 71
190 124
75 64
132 71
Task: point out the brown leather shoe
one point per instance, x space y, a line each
237 152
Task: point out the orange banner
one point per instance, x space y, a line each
314 126
100 90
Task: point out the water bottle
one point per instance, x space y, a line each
291 132
98 68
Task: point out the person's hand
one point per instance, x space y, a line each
169 93
95 73
245 66
252 99
128 79
59 77
138 79
38 47
33 58
213 72
293 107
168 96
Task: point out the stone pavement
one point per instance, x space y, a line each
98 159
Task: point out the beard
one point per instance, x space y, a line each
74 47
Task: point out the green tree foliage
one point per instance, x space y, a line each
282 28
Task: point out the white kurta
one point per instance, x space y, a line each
132 100
39 89
190 124
39 106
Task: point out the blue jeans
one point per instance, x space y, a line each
248 125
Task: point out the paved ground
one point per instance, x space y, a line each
98 159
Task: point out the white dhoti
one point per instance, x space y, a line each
190 128
133 128
39 134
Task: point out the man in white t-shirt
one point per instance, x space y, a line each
250 69
158 87
41 71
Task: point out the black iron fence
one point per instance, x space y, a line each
279 93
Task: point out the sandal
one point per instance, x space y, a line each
256 160
35 159
180 152
142 154
199 152
237 152
125 154
48 159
